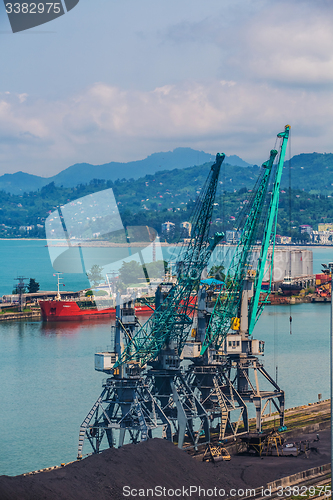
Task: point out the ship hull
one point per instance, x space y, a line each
290 289
61 310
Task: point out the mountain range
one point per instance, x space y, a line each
312 172
169 193
83 173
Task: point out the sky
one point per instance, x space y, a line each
118 81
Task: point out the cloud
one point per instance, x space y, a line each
105 123
272 65
287 43
15 119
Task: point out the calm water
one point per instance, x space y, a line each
48 377
30 258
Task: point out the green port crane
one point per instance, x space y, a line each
135 401
171 321
229 354
255 309
140 401
226 311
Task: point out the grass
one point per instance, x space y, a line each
15 311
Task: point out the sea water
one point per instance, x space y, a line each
48 381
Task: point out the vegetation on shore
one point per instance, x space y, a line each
170 196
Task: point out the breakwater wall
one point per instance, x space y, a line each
19 316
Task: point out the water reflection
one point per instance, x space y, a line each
73 327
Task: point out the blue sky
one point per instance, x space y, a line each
117 81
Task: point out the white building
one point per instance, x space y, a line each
322 237
282 240
232 236
167 227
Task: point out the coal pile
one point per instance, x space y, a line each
151 464
145 465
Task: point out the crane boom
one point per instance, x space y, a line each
171 320
255 309
228 303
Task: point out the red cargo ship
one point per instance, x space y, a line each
69 310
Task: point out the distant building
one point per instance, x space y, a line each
325 227
232 236
185 229
282 240
305 228
322 237
168 227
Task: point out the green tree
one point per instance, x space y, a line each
157 270
19 288
121 287
95 275
305 237
131 272
33 286
295 235
217 272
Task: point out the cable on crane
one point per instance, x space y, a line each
217 258
221 251
290 222
276 345
242 216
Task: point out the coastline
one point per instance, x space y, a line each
23 239
162 243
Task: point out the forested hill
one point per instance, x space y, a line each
169 196
312 172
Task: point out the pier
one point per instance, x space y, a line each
305 281
19 316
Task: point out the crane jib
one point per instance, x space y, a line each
171 320
228 302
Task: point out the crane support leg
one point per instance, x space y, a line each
257 405
181 406
181 416
125 410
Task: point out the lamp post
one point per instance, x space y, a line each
328 269
330 266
